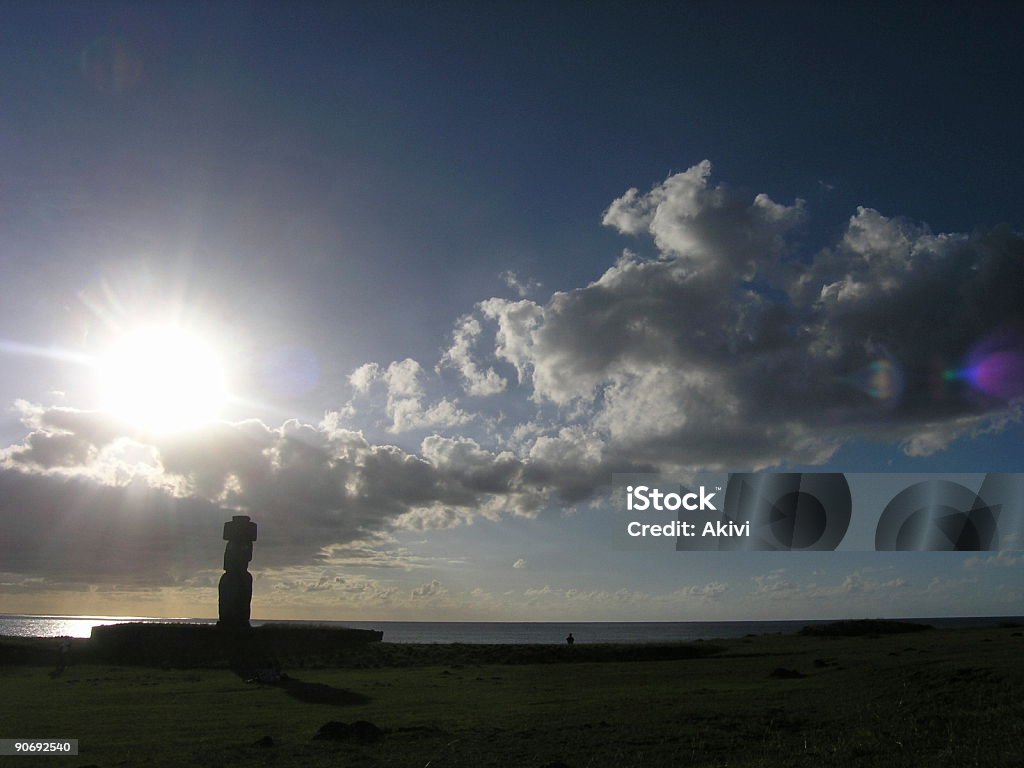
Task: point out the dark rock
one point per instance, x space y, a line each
360 730
785 674
266 741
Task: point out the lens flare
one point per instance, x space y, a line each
996 368
880 379
1000 375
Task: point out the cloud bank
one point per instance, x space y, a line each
729 346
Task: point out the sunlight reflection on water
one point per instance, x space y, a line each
58 626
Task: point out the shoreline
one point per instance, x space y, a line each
191 646
486 632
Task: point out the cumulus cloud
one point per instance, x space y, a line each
363 377
403 382
477 380
733 349
712 227
523 288
403 379
409 414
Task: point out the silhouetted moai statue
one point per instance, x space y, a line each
236 583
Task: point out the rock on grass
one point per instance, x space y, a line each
786 674
361 730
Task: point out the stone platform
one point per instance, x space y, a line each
200 645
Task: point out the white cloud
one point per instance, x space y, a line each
709 227
774 585
432 590
523 288
855 586
519 564
1002 559
601 599
364 376
516 323
377 550
477 380
403 381
932 437
409 413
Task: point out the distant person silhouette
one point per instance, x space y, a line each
63 658
570 639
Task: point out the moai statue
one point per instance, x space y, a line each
236 583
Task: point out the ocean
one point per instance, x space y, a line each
486 631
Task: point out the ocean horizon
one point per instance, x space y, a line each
490 632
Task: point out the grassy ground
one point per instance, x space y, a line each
936 698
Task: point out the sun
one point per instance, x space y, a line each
162 379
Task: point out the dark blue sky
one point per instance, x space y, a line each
424 139
326 187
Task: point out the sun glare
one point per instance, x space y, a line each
162 379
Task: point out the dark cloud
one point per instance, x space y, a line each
69 529
134 505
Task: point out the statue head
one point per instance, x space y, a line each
240 533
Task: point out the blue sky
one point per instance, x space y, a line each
458 267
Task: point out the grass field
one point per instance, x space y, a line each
934 698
